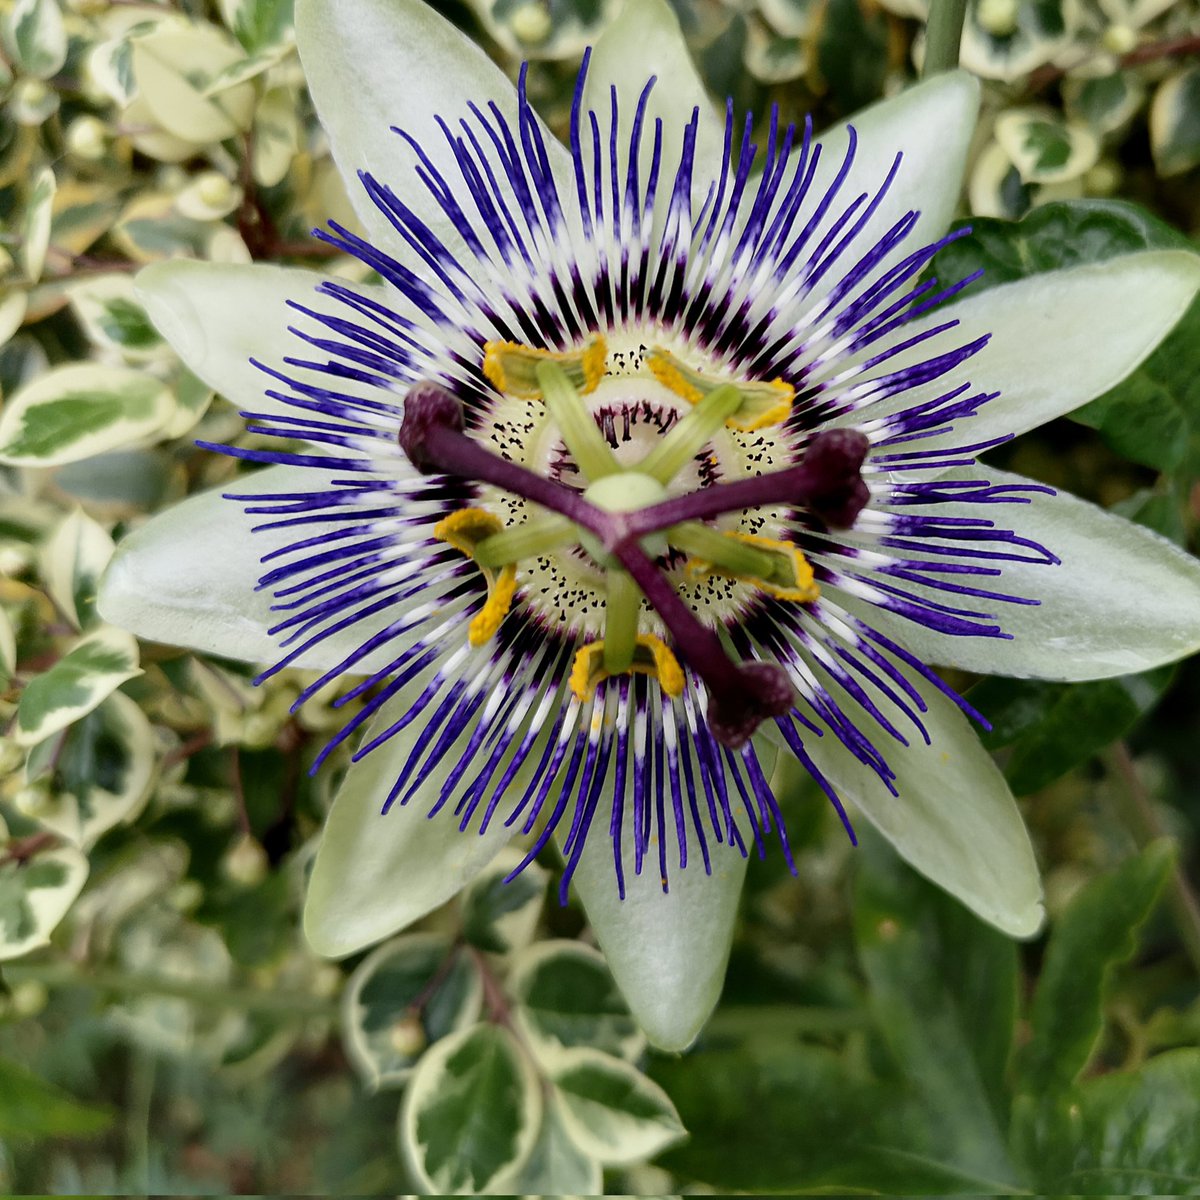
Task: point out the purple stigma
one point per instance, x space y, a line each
428 407
827 483
837 492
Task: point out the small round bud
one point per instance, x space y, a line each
28 998
1119 39
214 189
998 17
87 138
245 863
531 24
407 1036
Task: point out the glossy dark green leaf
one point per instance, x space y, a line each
783 1116
30 1107
1153 416
1097 931
944 992
1128 1133
1052 727
1068 233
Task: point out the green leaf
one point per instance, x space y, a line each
1175 122
259 23
88 673
500 917
35 38
77 411
852 53
35 894
406 995
1053 727
565 997
8 649
1096 932
1067 233
72 560
39 212
99 775
1153 416
1128 1133
113 317
471 1112
611 1111
557 1167
944 993
30 1107
777 1115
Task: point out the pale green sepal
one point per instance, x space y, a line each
645 40
1123 600
377 873
188 578
666 950
420 67
954 820
1057 339
218 316
931 126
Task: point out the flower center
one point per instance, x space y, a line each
617 492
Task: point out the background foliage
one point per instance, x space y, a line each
163 1027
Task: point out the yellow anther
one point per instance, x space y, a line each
501 590
791 579
650 657
512 368
464 530
764 401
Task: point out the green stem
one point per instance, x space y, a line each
943 33
1145 826
295 1004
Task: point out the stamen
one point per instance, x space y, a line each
651 656
512 368
764 402
575 423
466 530
687 437
542 535
779 568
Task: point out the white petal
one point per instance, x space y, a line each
1058 339
188 578
644 41
377 873
1123 599
931 126
954 820
374 64
667 952
217 316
